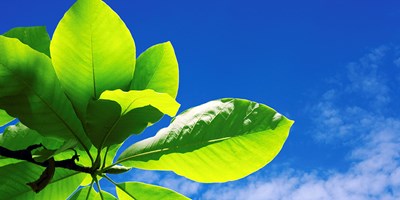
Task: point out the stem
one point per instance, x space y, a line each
108 167
88 153
116 185
90 189
98 187
105 158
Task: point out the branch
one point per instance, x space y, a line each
26 155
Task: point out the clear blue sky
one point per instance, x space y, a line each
332 66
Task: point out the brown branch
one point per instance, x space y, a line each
26 155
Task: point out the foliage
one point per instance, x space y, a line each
84 93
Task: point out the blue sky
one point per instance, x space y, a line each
332 66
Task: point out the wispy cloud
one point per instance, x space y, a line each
374 175
367 78
355 108
168 180
351 110
363 93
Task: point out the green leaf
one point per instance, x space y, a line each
15 176
36 37
157 69
82 193
17 137
30 91
138 190
219 141
92 51
118 114
5 118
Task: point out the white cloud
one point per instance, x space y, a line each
145 176
375 169
369 77
180 184
375 175
166 179
353 110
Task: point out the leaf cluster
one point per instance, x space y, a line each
80 95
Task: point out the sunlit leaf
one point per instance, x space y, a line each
219 141
92 51
137 190
157 69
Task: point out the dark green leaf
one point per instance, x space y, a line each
30 91
14 179
118 114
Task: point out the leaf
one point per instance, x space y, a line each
157 69
5 118
17 137
92 51
82 193
14 178
36 37
219 141
118 114
30 91
138 190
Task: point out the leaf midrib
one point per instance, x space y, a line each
156 68
201 143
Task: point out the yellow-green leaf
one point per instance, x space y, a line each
219 141
157 69
92 51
